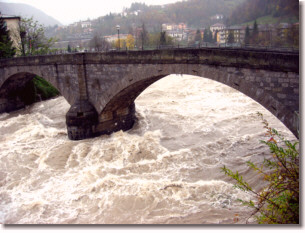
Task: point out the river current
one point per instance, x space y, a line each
166 170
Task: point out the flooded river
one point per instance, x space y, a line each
166 170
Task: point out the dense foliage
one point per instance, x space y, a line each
195 13
43 89
198 13
97 43
278 202
159 39
33 39
250 10
6 44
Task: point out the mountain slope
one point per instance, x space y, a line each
27 11
195 13
274 10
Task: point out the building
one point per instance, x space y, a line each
113 38
177 31
177 35
217 27
169 27
268 34
86 24
182 26
174 27
237 31
88 31
12 24
282 30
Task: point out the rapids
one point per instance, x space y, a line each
167 169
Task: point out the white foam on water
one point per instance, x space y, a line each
167 169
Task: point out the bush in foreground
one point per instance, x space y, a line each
278 202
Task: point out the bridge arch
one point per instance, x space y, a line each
120 104
101 87
17 90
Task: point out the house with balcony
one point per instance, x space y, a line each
237 31
177 35
177 31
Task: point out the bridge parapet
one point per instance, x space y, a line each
278 61
253 59
61 59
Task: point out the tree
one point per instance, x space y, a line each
143 36
207 36
198 37
163 38
99 44
94 43
247 36
33 39
253 9
6 44
130 42
215 36
160 38
120 43
231 39
294 36
254 36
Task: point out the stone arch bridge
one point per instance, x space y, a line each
101 87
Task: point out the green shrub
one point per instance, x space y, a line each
44 89
278 202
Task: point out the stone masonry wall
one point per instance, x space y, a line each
112 81
106 83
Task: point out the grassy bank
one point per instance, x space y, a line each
269 19
36 90
43 89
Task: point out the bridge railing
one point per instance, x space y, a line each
196 46
178 46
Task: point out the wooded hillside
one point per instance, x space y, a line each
250 10
195 13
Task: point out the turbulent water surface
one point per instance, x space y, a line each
167 169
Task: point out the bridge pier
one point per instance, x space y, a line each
120 119
81 120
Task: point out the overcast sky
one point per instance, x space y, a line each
69 11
